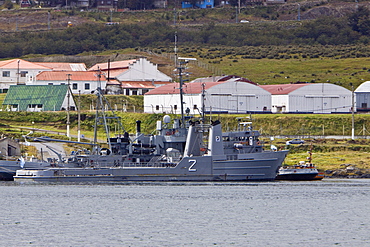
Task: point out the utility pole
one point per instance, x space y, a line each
174 16
79 117
48 20
18 71
353 113
175 49
68 102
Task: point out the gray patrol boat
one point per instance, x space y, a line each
201 152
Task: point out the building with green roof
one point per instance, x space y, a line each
39 98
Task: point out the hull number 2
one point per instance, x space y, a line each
192 164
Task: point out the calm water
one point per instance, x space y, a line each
320 213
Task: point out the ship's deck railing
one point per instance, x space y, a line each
149 164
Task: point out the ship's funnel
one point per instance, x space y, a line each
215 144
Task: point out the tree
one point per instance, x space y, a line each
359 21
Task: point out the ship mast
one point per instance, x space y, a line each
203 100
182 62
101 105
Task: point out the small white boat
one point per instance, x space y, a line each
304 171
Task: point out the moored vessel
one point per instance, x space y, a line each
8 168
300 172
303 171
230 156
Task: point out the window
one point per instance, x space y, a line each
87 86
134 92
157 107
175 107
23 73
35 106
50 83
195 107
74 86
6 73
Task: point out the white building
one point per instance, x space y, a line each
84 82
363 97
131 77
18 72
224 95
309 98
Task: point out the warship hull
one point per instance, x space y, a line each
8 168
257 167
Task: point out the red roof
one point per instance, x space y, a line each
62 76
64 66
143 84
188 88
113 82
115 72
113 65
280 89
21 64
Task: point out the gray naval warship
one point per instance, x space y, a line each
197 152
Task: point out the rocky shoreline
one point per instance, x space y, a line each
348 171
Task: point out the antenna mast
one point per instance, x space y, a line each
203 100
180 68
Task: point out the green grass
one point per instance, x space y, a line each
279 71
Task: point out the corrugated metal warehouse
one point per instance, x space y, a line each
223 95
309 98
363 97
